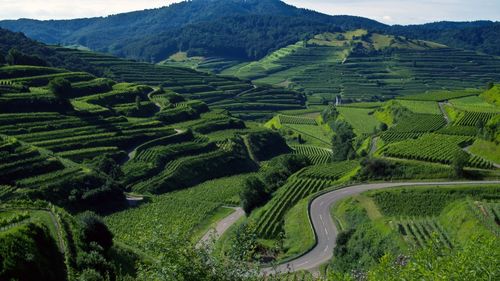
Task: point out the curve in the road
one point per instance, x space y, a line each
325 229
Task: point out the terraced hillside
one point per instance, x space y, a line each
52 143
358 65
164 154
453 121
239 97
205 64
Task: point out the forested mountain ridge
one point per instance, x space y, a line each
36 53
124 34
481 36
252 29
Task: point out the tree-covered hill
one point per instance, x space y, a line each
243 29
482 36
35 53
124 34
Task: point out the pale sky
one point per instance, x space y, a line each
387 11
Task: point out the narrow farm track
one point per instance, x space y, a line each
443 111
373 147
222 226
155 103
325 229
60 240
131 153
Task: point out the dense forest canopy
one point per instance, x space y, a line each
28 51
482 36
233 28
125 34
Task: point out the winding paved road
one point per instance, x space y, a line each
326 230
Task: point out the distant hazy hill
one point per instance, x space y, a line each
243 29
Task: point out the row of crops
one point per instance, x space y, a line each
317 155
295 120
458 130
79 137
434 148
389 137
413 126
426 137
155 156
473 104
271 222
152 161
421 232
329 171
411 136
190 170
27 167
472 118
442 95
487 212
419 123
20 161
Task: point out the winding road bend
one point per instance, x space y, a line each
326 230
324 227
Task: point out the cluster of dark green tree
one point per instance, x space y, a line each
343 141
482 36
266 144
94 260
28 252
82 247
491 130
242 37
